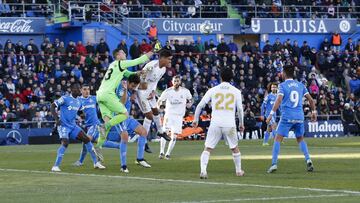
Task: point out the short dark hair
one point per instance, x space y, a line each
115 52
75 86
177 77
289 71
164 53
85 85
135 78
226 74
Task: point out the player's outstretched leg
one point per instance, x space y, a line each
204 160
82 156
303 147
60 154
237 161
171 145
140 130
275 154
162 148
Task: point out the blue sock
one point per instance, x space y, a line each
123 150
111 144
266 137
141 147
303 147
83 154
275 152
273 133
89 146
60 154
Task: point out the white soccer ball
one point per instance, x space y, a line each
206 28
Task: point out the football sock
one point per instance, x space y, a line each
111 144
90 148
273 133
303 147
275 152
147 124
141 147
123 149
162 145
266 137
83 154
158 124
171 144
204 160
60 154
237 161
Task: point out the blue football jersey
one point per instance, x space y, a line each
268 103
88 106
69 106
292 103
120 93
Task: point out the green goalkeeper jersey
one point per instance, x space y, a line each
116 72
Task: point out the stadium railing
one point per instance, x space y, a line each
207 11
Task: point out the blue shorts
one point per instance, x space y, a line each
69 133
128 125
285 126
93 132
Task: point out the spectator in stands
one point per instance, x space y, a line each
80 48
145 47
350 46
61 48
268 47
354 83
250 124
135 49
336 41
124 10
102 47
222 47
325 45
348 119
123 46
357 119
90 48
152 31
31 48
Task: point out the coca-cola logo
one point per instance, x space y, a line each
17 26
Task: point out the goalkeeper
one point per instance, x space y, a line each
109 103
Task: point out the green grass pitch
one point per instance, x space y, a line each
25 174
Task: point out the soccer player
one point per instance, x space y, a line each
225 100
266 107
176 98
109 103
152 73
290 96
68 129
89 107
125 92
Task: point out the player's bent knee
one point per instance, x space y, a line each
83 137
149 115
299 139
140 130
208 149
124 137
65 142
155 111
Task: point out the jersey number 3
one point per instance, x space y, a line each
294 98
219 105
108 74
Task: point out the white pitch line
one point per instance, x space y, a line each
266 198
184 181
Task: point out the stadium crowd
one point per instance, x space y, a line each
34 75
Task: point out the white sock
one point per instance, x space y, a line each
237 161
147 124
162 145
158 123
171 144
204 160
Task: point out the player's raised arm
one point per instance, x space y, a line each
123 92
200 106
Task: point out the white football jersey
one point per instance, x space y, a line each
225 100
153 74
175 100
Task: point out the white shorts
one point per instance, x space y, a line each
215 133
144 103
173 123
